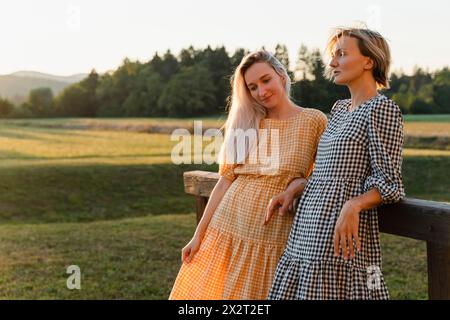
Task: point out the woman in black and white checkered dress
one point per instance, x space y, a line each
333 251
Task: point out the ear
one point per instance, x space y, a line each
369 64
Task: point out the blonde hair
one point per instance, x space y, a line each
371 44
243 111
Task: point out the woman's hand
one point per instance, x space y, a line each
189 251
221 187
346 230
284 202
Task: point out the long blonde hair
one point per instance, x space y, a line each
243 111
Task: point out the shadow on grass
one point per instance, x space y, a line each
42 194
12 132
72 193
12 155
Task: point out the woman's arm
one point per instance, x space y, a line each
189 251
216 196
384 185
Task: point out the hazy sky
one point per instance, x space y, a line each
65 37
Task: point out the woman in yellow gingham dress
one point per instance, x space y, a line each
234 254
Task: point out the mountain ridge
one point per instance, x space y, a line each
17 85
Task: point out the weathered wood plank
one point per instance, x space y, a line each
200 183
417 219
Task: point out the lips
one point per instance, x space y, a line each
335 73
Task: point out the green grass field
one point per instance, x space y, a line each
427 118
415 125
113 203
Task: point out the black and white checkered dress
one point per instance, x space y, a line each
358 151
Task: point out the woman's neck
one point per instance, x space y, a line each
362 90
283 111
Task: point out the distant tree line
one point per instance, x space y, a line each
196 83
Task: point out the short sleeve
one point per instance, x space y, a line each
385 136
227 171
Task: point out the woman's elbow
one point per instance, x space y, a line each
395 195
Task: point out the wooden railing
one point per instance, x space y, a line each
413 218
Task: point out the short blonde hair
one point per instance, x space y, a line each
371 44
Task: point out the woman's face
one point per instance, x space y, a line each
264 84
347 62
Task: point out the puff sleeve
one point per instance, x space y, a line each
385 143
227 171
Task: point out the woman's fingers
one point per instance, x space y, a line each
185 254
191 255
280 203
336 243
344 245
273 204
356 237
284 208
269 211
192 252
350 245
346 238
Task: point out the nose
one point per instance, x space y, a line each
262 91
333 62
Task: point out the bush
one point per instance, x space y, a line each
189 93
419 106
6 108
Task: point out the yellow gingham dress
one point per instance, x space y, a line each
238 255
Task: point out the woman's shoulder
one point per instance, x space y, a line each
314 113
384 105
316 117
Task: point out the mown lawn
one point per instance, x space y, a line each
113 204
